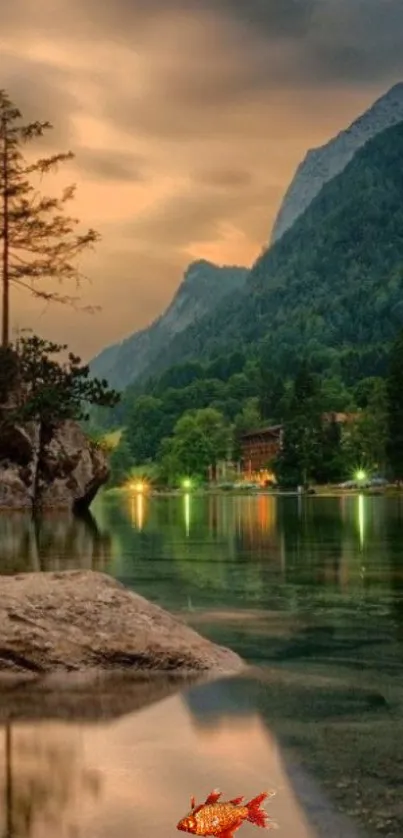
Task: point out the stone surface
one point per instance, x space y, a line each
322 164
19 452
81 620
65 471
71 469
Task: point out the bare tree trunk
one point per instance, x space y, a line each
9 782
5 315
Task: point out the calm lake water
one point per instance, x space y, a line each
310 589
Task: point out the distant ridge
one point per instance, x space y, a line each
331 287
204 285
322 164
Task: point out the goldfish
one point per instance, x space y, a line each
223 819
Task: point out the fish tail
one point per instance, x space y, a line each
256 814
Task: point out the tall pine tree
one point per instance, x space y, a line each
38 241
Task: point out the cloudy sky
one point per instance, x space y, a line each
187 118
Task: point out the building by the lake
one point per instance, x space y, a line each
258 449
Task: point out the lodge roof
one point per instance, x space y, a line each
272 430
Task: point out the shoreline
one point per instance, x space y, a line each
319 492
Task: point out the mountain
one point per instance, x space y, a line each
332 286
204 285
322 164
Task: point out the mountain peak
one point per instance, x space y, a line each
396 89
203 285
325 162
195 267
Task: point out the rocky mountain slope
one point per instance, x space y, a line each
322 164
204 285
331 287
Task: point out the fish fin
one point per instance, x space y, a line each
237 800
213 797
228 833
192 802
256 814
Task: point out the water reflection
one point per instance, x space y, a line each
306 581
334 728
312 588
57 541
43 778
134 776
361 519
187 507
137 510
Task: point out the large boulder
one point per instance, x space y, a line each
19 456
77 621
48 468
71 469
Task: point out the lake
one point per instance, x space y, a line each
310 589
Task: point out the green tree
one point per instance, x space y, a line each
367 439
49 390
248 419
145 427
331 465
121 462
335 396
300 456
38 242
394 390
200 439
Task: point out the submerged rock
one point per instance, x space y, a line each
78 621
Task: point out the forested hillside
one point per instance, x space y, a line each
324 163
331 288
203 286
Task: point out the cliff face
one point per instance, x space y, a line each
322 164
48 468
203 286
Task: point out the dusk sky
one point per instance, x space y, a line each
188 119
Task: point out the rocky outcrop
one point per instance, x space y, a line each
322 164
19 451
71 469
59 468
78 621
204 285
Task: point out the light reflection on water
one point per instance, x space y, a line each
310 587
134 776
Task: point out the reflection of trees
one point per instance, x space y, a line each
54 541
43 777
293 555
393 538
185 554
211 702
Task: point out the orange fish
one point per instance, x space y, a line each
222 819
